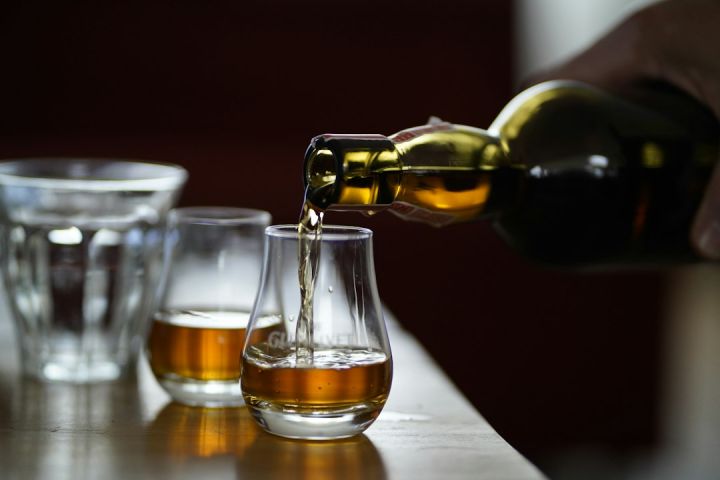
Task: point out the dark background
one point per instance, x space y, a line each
557 362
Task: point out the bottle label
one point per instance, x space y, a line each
414 213
411 133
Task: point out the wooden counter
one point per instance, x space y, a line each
131 429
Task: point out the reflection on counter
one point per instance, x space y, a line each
205 439
204 432
274 457
64 421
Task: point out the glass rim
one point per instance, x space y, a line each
219 215
75 173
329 232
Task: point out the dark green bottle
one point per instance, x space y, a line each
568 174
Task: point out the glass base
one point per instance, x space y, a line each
318 423
199 393
72 370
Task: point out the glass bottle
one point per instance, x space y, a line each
568 173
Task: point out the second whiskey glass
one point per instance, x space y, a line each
335 383
213 260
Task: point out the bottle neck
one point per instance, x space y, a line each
438 173
352 172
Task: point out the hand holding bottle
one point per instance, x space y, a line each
673 41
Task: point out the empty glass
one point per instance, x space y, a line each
81 258
213 258
336 385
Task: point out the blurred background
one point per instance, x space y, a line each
568 367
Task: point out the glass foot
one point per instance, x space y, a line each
318 423
198 393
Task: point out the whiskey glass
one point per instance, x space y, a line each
213 261
329 379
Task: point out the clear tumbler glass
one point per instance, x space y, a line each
335 385
81 258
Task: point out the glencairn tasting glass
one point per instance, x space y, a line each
329 378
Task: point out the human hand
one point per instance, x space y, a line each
673 41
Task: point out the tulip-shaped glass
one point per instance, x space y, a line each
335 384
